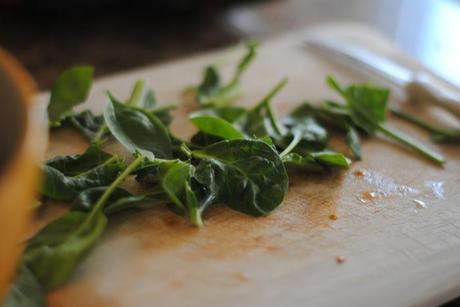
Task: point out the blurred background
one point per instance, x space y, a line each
51 35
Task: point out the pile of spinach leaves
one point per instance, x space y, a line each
239 157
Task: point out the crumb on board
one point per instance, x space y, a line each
340 259
333 217
358 173
240 276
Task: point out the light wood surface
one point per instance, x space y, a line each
395 252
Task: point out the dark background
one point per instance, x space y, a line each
49 36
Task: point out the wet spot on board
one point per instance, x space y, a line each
367 196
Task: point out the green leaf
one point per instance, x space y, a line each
212 93
138 131
261 120
70 89
353 142
368 104
119 200
202 139
175 178
328 114
25 290
163 113
55 252
72 165
306 163
316 161
331 158
209 87
87 123
215 126
367 108
230 114
65 176
174 182
305 133
254 179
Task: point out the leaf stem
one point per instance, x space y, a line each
412 144
104 197
295 141
137 94
195 216
270 95
423 124
100 133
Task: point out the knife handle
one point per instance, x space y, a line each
428 89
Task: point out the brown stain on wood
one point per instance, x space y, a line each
88 297
226 233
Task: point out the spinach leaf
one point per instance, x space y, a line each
215 126
54 253
175 178
296 161
72 165
25 290
65 176
69 90
119 200
163 113
261 120
254 179
333 115
312 132
331 158
367 106
353 142
229 115
93 126
316 161
177 184
174 181
211 92
209 87
138 131
305 134
202 139
87 124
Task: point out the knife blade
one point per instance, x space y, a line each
418 85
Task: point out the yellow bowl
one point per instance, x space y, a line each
22 145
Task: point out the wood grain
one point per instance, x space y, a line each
394 253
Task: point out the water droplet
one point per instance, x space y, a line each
437 188
368 196
420 203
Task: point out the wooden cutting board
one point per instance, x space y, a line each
392 251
